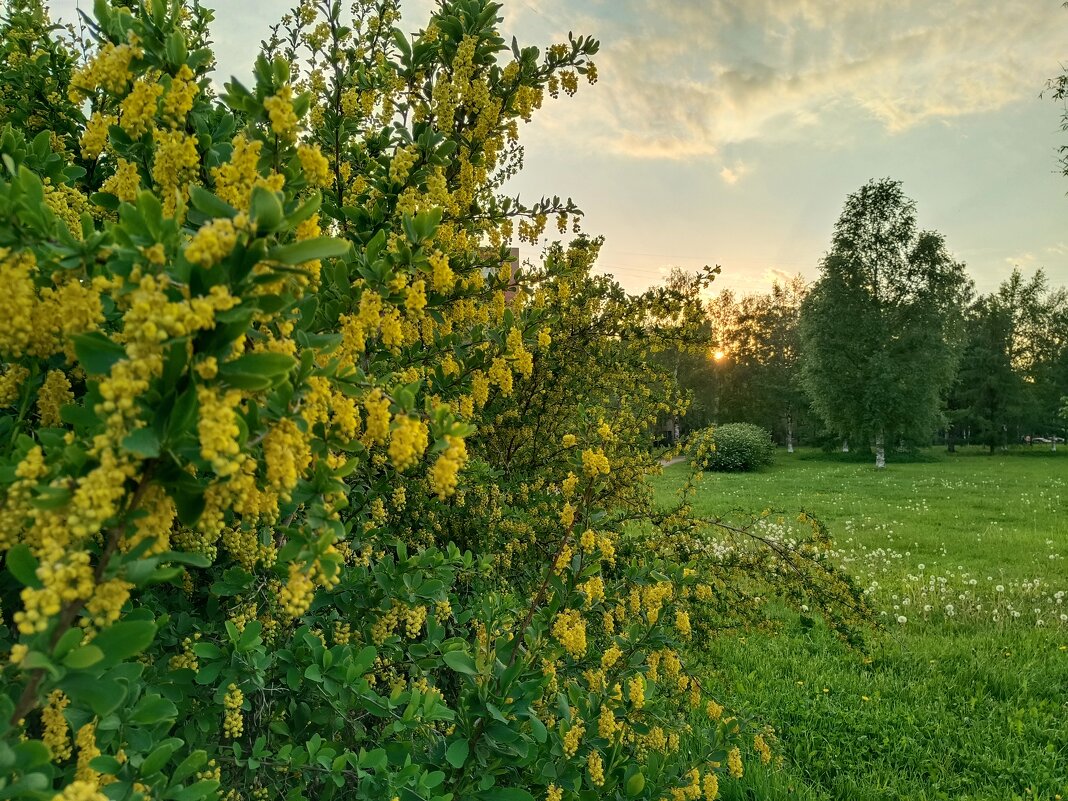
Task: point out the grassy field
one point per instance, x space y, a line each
964 693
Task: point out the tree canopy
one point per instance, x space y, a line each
880 329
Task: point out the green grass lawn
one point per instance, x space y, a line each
964 693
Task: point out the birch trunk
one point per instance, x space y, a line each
789 435
845 446
880 453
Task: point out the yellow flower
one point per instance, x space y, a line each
233 724
218 429
314 165
212 242
54 395
138 110
280 111
569 629
125 183
55 726
407 441
444 474
734 763
95 137
595 767
573 738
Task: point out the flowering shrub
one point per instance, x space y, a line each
306 491
732 447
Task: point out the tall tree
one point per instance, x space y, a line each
1038 348
986 403
757 342
881 329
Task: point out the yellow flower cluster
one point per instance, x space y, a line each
138 110
734 763
85 740
54 395
66 577
54 724
95 136
80 790
287 454
573 737
109 69
592 590
407 441
569 629
636 691
105 605
283 118
212 242
175 164
218 429
376 426
125 183
596 768
711 786
595 463
760 745
607 726
235 179
445 472
233 723
181 94
501 375
314 165
682 624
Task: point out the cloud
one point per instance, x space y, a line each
732 174
686 79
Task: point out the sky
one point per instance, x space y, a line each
730 132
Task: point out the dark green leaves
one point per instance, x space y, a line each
257 371
97 353
323 247
22 564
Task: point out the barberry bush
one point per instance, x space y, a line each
306 490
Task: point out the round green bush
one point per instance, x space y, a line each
734 447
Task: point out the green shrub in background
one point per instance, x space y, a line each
734 447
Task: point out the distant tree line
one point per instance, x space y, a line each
890 348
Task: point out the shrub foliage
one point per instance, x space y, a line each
734 447
306 491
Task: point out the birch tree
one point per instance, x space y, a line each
881 328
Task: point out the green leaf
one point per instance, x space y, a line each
103 695
511 794
159 757
125 639
456 753
209 204
143 442
461 662
323 247
81 658
257 371
97 353
188 766
265 209
22 564
153 709
635 784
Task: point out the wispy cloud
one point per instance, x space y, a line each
685 79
